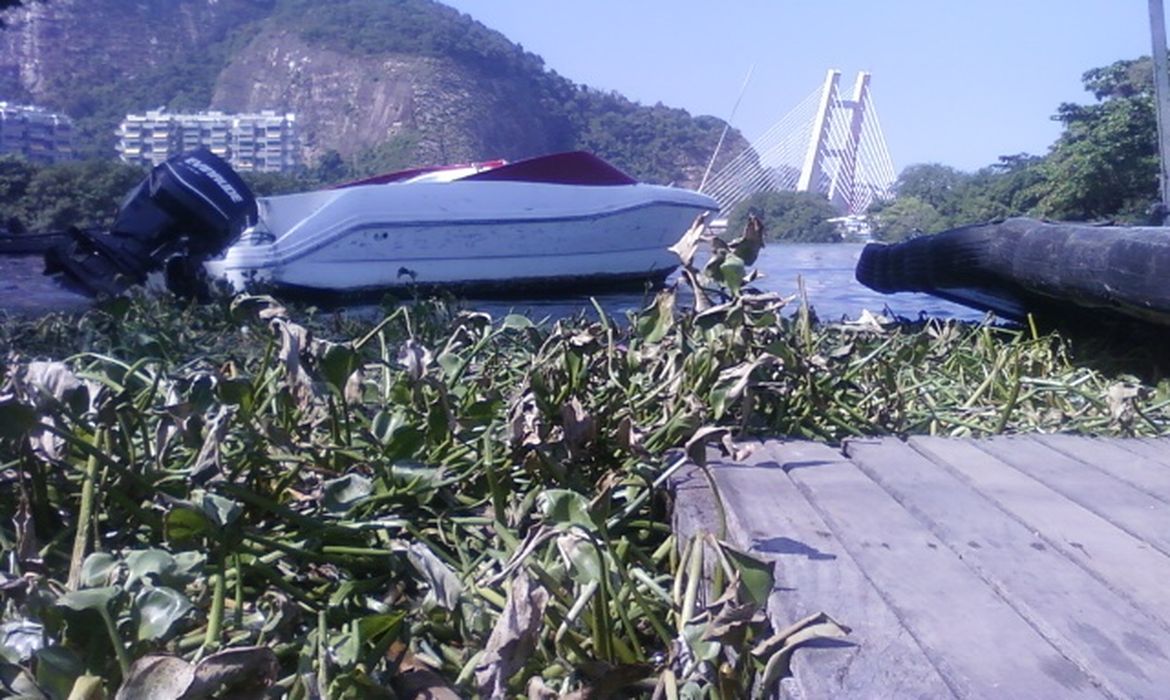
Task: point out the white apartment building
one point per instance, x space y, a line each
257 142
36 133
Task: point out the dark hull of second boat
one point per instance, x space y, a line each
1018 267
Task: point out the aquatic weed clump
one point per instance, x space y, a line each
289 503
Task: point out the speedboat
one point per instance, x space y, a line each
567 221
563 221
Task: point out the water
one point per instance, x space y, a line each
825 268
827 271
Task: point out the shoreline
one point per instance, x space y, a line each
25 291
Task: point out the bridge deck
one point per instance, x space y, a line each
1028 567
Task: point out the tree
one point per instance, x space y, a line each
8 5
75 194
793 217
1105 163
15 174
1017 182
1132 78
1103 166
904 218
933 183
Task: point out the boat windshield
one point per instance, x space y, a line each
446 175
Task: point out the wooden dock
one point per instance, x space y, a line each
1014 567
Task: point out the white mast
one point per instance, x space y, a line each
1162 99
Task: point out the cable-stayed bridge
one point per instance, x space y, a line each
829 143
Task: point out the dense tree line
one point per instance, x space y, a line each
53 197
789 217
39 198
1104 166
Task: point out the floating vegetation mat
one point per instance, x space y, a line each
239 500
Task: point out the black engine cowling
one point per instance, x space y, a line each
191 207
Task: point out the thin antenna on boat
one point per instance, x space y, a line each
726 125
1162 100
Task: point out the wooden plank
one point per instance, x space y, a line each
1125 563
1119 645
768 516
982 647
694 504
1111 457
1155 450
1122 504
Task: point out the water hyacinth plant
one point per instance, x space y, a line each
239 499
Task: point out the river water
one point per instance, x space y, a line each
826 269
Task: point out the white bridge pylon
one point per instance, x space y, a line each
826 144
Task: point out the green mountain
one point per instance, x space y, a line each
377 83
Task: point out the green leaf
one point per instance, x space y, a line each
733 271
89 598
337 363
158 610
373 627
98 569
755 575
117 307
188 565
341 494
236 392
414 475
398 436
220 511
563 507
58 671
693 635
451 363
517 322
144 563
656 320
184 524
585 560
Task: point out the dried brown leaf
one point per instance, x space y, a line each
696 447
580 427
514 636
688 245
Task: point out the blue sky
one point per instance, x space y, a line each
958 82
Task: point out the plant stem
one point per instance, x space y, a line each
84 515
215 617
116 641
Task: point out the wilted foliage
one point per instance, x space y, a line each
242 496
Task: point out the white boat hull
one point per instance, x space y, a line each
491 235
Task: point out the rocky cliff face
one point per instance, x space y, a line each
51 47
97 60
350 103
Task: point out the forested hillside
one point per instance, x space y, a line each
375 83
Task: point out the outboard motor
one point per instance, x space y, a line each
189 208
